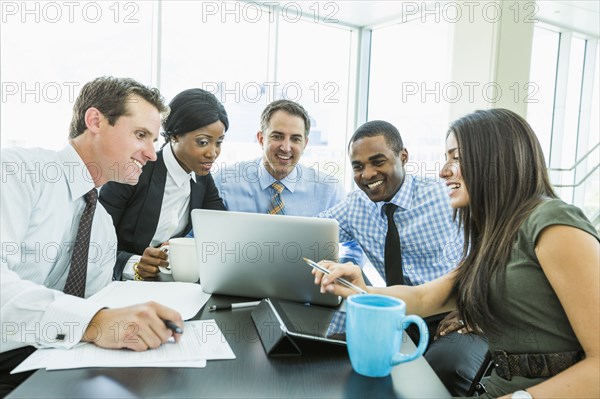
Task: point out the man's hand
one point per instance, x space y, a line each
137 327
151 259
450 324
349 271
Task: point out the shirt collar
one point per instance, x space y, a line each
403 198
179 176
266 179
76 173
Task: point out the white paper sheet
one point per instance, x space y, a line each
37 360
42 358
186 298
213 344
202 340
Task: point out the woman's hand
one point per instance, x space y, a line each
151 259
348 271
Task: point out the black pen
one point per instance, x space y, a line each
233 306
173 327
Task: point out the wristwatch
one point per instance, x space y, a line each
521 395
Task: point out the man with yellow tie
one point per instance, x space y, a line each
276 183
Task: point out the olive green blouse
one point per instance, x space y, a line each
532 318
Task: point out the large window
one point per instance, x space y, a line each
222 49
313 61
250 53
544 58
564 113
572 106
249 56
50 49
409 87
591 186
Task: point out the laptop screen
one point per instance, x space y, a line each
261 256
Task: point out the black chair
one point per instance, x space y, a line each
459 360
485 370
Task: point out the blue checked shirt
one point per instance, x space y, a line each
431 242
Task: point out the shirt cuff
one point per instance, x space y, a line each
350 251
128 272
65 321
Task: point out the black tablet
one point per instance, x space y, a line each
310 321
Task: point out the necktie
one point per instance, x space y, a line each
75 284
393 250
277 204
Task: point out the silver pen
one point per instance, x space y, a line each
340 280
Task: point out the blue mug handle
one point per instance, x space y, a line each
424 339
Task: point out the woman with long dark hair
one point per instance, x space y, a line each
529 276
158 207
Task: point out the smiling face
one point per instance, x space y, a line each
378 171
197 150
123 149
459 196
283 143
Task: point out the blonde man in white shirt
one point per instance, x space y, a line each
115 124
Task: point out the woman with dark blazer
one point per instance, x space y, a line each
158 208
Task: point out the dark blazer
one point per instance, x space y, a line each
135 209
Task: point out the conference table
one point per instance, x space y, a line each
323 370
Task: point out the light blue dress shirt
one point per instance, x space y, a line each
431 241
246 187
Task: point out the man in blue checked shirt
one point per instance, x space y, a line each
431 242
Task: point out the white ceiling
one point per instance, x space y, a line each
580 15
367 13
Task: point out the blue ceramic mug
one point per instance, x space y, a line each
374 325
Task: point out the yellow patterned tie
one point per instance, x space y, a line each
277 204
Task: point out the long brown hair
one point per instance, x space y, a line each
505 174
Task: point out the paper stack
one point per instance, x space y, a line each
202 340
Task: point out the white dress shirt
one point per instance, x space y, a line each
174 209
41 204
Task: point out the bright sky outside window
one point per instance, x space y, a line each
410 69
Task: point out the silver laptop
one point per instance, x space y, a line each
260 256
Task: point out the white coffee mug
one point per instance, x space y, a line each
182 260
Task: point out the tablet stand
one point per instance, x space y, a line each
272 333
